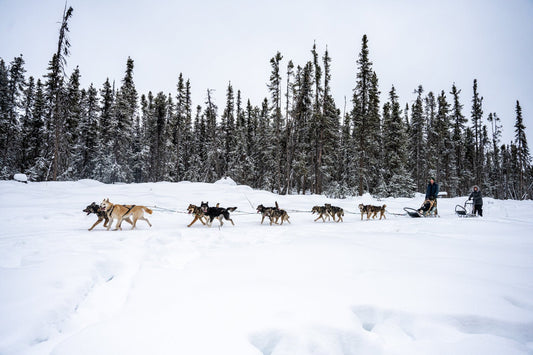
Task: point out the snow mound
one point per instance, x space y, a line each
90 182
21 177
226 181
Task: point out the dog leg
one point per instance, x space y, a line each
145 219
134 223
110 223
194 220
96 223
119 224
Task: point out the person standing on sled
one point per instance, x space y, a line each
478 201
432 192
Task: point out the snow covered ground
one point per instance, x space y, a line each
397 286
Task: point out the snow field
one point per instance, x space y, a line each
397 286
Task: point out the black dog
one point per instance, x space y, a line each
102 215
216 212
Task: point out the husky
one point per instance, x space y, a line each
198 214
322 213
121 212
277 214
216 212
335 211
372 211
265 212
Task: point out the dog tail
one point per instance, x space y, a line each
149 211
231 209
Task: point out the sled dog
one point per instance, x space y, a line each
335 211
216 212
198 214
102 216
121 212
372 211
322 213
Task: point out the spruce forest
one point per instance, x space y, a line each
298 140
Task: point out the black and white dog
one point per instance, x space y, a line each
216 212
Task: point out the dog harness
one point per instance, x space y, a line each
128 211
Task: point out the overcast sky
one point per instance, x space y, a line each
212 42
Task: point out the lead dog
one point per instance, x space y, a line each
94 208
121 212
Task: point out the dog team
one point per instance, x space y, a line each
109 212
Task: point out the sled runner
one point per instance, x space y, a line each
462 211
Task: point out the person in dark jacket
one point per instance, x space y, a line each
432 190
476 197
430 202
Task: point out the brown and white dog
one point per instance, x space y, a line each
372 211
102 216
198 214
121 212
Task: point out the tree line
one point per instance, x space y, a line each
295 141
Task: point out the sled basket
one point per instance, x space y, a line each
412 212
461 211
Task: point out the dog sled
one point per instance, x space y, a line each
428 209
463 211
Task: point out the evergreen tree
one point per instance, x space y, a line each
26 143
330 154
123 131
431 135
85 159
71 111
417 142
227 134
56 94
213 164
399 181
11 90
156 130
477 115
458 145
495 155
522 152
106 127
366 136
444 146
35 133
277 120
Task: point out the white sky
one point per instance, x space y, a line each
433 43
